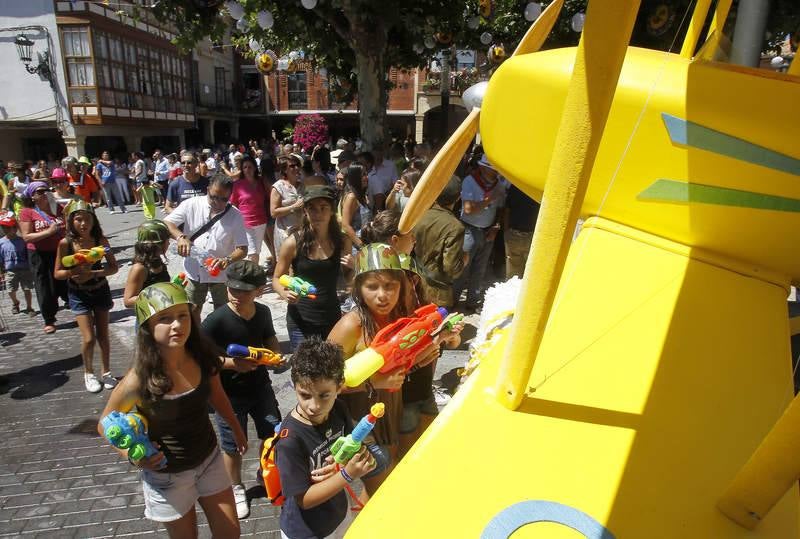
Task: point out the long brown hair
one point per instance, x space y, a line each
368 324
305 234
154 382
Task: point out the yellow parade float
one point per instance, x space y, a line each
643 388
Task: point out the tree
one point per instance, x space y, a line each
356 41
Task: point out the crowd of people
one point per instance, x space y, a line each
327 217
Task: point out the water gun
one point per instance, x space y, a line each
396 345
129 431
262 356
179 279
449 323
299 286
269 469
344 448
84 256
206 260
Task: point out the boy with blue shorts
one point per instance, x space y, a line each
247 384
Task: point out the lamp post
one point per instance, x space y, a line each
445 94
24 50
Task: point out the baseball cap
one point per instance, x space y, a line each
318 191
84 160
245 275
58 174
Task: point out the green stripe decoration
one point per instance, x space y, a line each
694 135
663 190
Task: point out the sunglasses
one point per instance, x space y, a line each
188 163
41 191
217 198
294 165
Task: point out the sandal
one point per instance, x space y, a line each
49 329
15 308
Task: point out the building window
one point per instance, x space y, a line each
136 76
82 88
220 87
298 98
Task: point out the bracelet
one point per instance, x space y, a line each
346 475
182 237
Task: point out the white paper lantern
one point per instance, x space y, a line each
473 96
532 11
265 20
486 38
242 25
283 64
777 61
429 42
254 45
473 23
418 48
309 4
294 55
323 72
235 9
577 22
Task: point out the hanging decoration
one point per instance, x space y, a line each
660 19
265 62
577 22
234 9
486 8
445 38
429 42
496 54
486 38
265 20
242 25
532 11
254 45
473 22
309 4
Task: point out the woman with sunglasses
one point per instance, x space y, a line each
285 199
42 230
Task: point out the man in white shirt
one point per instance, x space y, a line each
211 162
214 249
381 177
161 172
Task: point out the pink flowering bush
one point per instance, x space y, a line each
310 130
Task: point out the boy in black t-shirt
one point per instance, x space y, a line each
316 504
243 321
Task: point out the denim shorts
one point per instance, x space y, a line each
87 301
412 411
263 408
169 496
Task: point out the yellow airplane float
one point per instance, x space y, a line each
644 386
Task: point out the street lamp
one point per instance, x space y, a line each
24 46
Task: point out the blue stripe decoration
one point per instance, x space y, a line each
694 135
512 518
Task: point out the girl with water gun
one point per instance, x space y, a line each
419 404
79 261
316 254
175 376
378 290
152 241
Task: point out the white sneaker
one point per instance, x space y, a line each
92 383
109 382
242 505
111 212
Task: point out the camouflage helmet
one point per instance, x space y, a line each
77 205
152 231
409 263
158 297
377 257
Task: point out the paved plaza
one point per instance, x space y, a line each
58 478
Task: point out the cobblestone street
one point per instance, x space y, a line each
58 478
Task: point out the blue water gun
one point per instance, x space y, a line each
129 431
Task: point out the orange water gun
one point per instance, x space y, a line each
84 256
396 345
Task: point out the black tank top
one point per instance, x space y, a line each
181 427
324 274
153 278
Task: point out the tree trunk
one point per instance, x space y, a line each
371 97
367 36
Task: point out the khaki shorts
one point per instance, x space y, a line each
19 278
169 496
